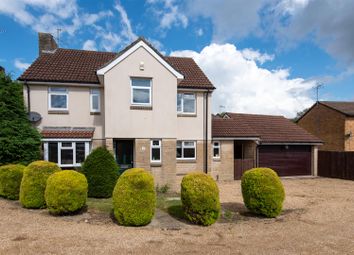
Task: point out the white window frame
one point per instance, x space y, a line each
50 93
152 146
183 146
92 94
60 148
182 103
141 88
216 147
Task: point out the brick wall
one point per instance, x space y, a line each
349 139
223 168
326 124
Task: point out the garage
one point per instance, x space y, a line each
286 160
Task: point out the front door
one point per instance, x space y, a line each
124 150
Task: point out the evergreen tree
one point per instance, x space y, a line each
19 141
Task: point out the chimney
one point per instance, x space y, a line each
46 43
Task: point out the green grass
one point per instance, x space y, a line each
100 204
172 207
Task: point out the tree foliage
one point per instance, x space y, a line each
19 141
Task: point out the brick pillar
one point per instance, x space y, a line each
109 145
142 153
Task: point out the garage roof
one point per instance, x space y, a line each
268 128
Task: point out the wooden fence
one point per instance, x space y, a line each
335 164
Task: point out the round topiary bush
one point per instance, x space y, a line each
101 171
10 181
134 198
262 191
200 198
66 192
34 181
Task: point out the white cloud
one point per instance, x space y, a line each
243 86
19 64
169 14
255 55
127 28
89 45
199 32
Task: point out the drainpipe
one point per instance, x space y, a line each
28 97
206 132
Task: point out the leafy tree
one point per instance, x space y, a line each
19 141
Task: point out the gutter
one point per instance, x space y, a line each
28 97
206 132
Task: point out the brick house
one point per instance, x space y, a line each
332 122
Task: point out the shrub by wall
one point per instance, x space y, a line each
134 198
10 181
200 198
34 181
101 172
66 192
262 191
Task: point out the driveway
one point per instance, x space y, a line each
318 218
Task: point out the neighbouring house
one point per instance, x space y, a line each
151 111
243 141
332 122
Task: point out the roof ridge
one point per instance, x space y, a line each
255 114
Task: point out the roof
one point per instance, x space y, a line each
80 66
67 132
269 128
346 108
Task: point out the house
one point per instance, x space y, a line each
243 141
149 110
332 122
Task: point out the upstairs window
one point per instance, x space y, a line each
186 103
95 100
155 151
185 150
58 98
216 150
141 91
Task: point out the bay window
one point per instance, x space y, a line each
186 103
58 98
155 151
66 153
141 91
186 150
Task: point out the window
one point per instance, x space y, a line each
185 150
95 100
186 103
216 150
66 153
58 98
156 151
141 91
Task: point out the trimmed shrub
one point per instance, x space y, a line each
200 198
262 191
101 171
10 181
134 198
34 181
66 192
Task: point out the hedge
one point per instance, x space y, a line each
66 192
134 198
262 191
200 198
10 181
101 172
34 182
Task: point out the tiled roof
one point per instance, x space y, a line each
346 108
66 132
80 66
270 129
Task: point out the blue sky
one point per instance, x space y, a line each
264 56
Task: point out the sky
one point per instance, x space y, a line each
263 56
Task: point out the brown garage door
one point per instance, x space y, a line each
286 160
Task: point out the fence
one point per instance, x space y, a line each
335 164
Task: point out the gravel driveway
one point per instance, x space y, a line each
318 218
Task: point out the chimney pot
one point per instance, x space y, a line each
46 42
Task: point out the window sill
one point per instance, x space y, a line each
95 113
155 164
186 115
58 112
217 159
186 161
140 107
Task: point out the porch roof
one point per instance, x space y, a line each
67 132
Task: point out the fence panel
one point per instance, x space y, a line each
336 164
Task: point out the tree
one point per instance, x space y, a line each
19 141
299 114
